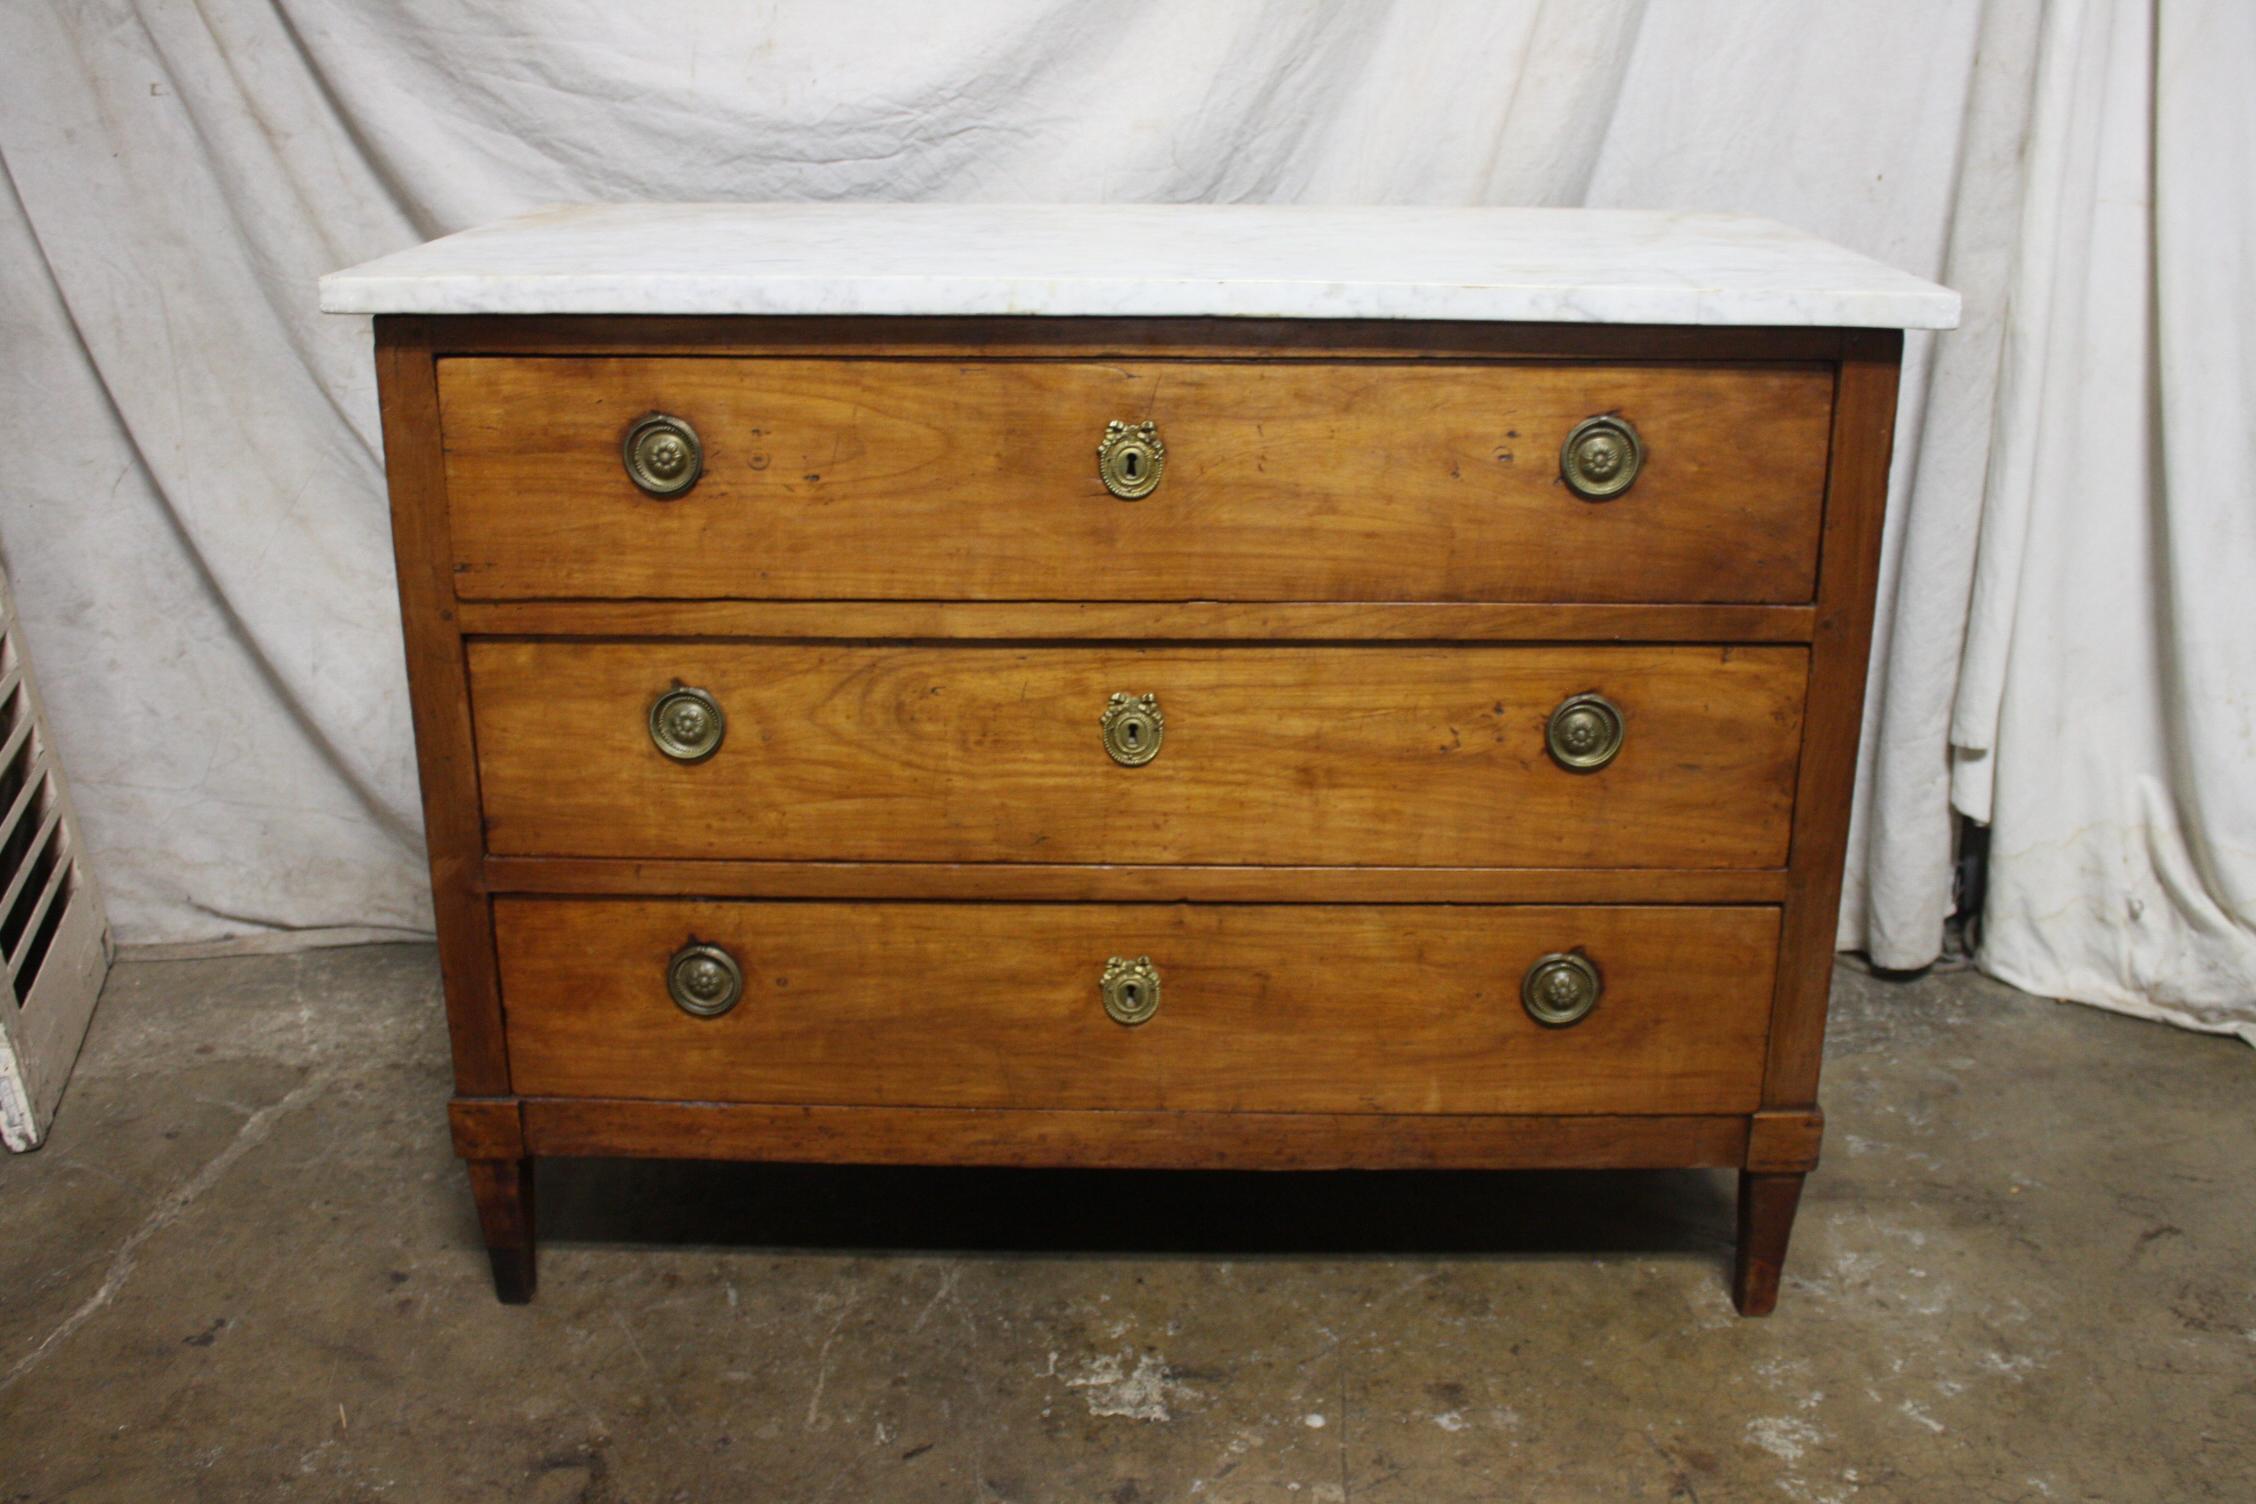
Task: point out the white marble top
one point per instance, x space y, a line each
1581 266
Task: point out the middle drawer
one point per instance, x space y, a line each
1361 756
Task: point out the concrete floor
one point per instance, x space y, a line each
246 1267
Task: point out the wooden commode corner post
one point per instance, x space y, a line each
489 1138
877 703
484 1116
1782 1142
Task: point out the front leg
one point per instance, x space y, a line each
504 1190
1766 1221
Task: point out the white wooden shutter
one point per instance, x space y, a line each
54 937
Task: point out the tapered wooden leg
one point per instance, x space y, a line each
504 1188
1766 1221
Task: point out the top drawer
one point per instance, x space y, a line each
1281 481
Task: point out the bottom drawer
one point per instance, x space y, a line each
1260 1008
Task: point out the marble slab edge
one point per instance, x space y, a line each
584 293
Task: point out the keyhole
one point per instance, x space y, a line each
1131 994
1135 733
1128 463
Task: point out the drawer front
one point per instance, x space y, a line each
1267 756
1310 1008
1304 481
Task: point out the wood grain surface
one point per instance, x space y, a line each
1856 504
1308 1009
1112 1139
1136 621
438 694
1412 756
619 877
1035 337
1358 591
1284 480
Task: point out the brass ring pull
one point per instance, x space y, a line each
663 456
1561 989
687 724
1132 728
704 980
1584 733
1601 458
1130 988
1130 458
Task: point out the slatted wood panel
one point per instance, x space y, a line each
1284 480
1413 756
1304 1009
54 938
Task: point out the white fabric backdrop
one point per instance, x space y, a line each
193 502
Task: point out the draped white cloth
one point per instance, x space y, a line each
193 503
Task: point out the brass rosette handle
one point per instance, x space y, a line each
1584 733
687 724
1560 989
1130 458
1130 989
1601 457
662 455
704 980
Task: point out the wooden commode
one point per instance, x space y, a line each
1199 687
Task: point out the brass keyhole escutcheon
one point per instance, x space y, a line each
1130 988
663 455
704 980
687 724
1584 733
1561 989
1601 458
1132 728
1130 459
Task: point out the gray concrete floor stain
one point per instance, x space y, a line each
246 1267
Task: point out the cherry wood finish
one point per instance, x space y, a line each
1856 500
1410 756
439 697
1128 1140
1773 1136
1055 882
1110 621
1030 338
1263 1009
1284 480
1782 1141
486 1127
1766 1221
503 1189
